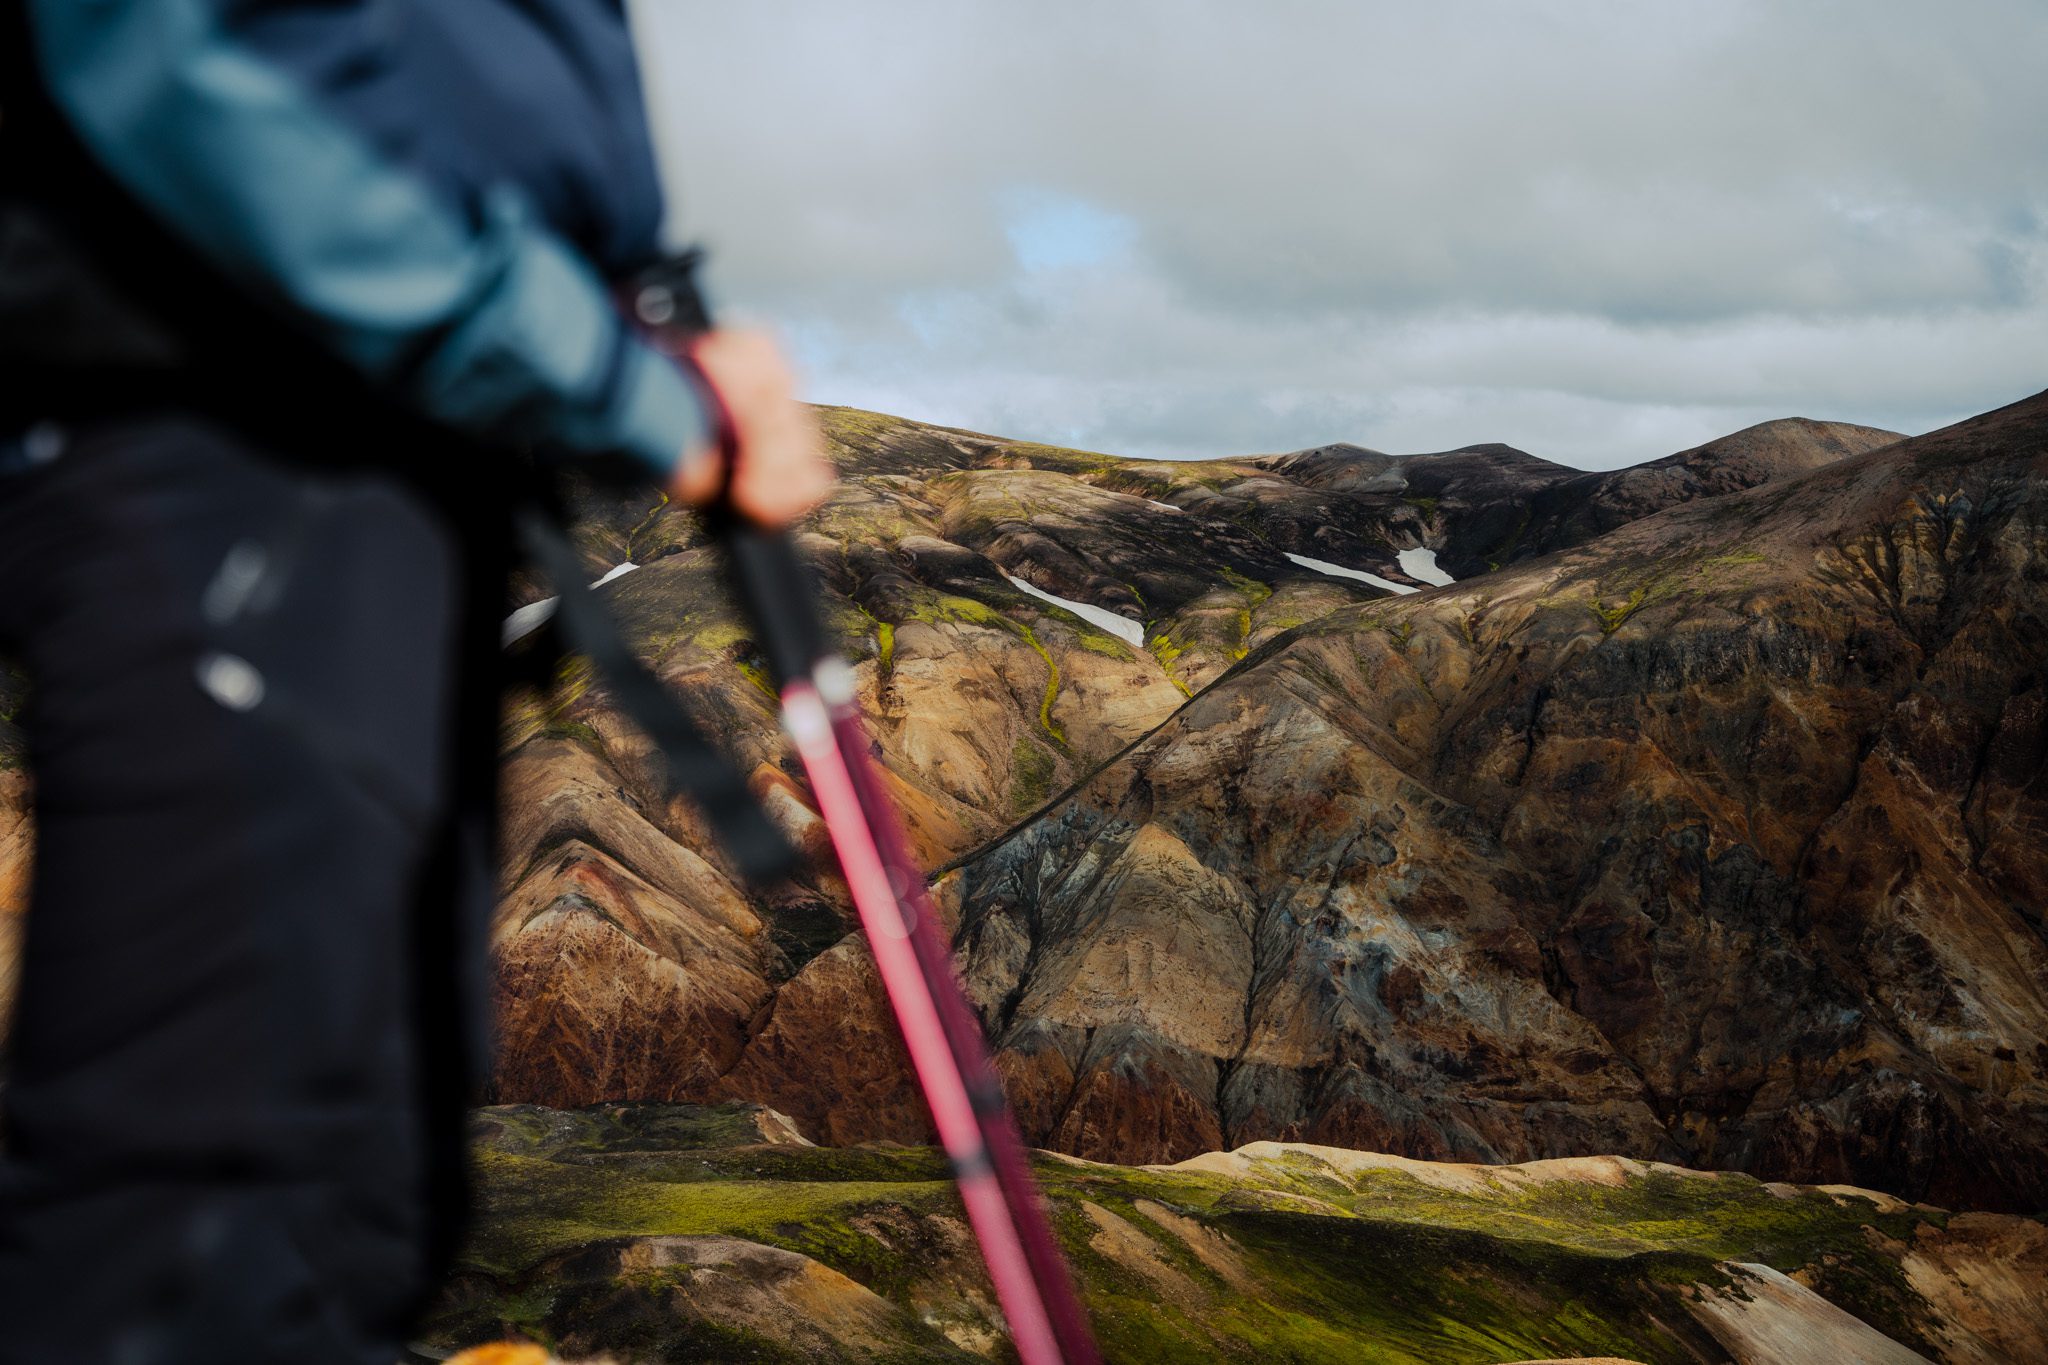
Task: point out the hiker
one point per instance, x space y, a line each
289 295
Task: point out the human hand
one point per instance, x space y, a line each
780 471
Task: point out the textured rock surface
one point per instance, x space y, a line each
1718 839
658 1232
1764 1317
1982 1276
1715 838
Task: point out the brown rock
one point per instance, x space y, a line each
829 1056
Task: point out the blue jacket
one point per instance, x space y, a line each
437 192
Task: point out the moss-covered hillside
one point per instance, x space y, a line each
679 1233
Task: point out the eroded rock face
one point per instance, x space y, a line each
1982 1277
1715 838
829 1054
625 964
1677 845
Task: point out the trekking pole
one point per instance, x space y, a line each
948 1052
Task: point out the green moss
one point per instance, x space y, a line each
814 1165
885 647
1612 617
1435 1295
1730 561
615 1129
721 637
1427 506
1063 458
537 1209
660 506
576 731
1031 776
850 426
573 676
1134 1328
1248 587
1383 1268
1052 688
946 607
757 674
552 712
1097 642
1282 620
1166 650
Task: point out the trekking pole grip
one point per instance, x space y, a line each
774 587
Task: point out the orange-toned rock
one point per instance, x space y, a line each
830 1058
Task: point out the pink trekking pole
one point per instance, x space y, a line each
948 1051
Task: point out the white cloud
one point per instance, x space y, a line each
1600 231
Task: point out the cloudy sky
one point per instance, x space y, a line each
1600 230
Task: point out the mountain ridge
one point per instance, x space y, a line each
1474 767
1601 623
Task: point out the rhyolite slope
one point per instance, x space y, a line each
1717 839
629 963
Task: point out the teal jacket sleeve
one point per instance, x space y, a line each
478 316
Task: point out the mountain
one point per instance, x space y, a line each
1713 838
682 1233
1713 835
1717 839
1492 504
1577 509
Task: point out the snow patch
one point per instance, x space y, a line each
1123 627
529 618
1339 571
1420 565
1167 505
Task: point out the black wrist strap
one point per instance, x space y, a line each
691 765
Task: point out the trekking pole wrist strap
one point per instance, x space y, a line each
663 302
